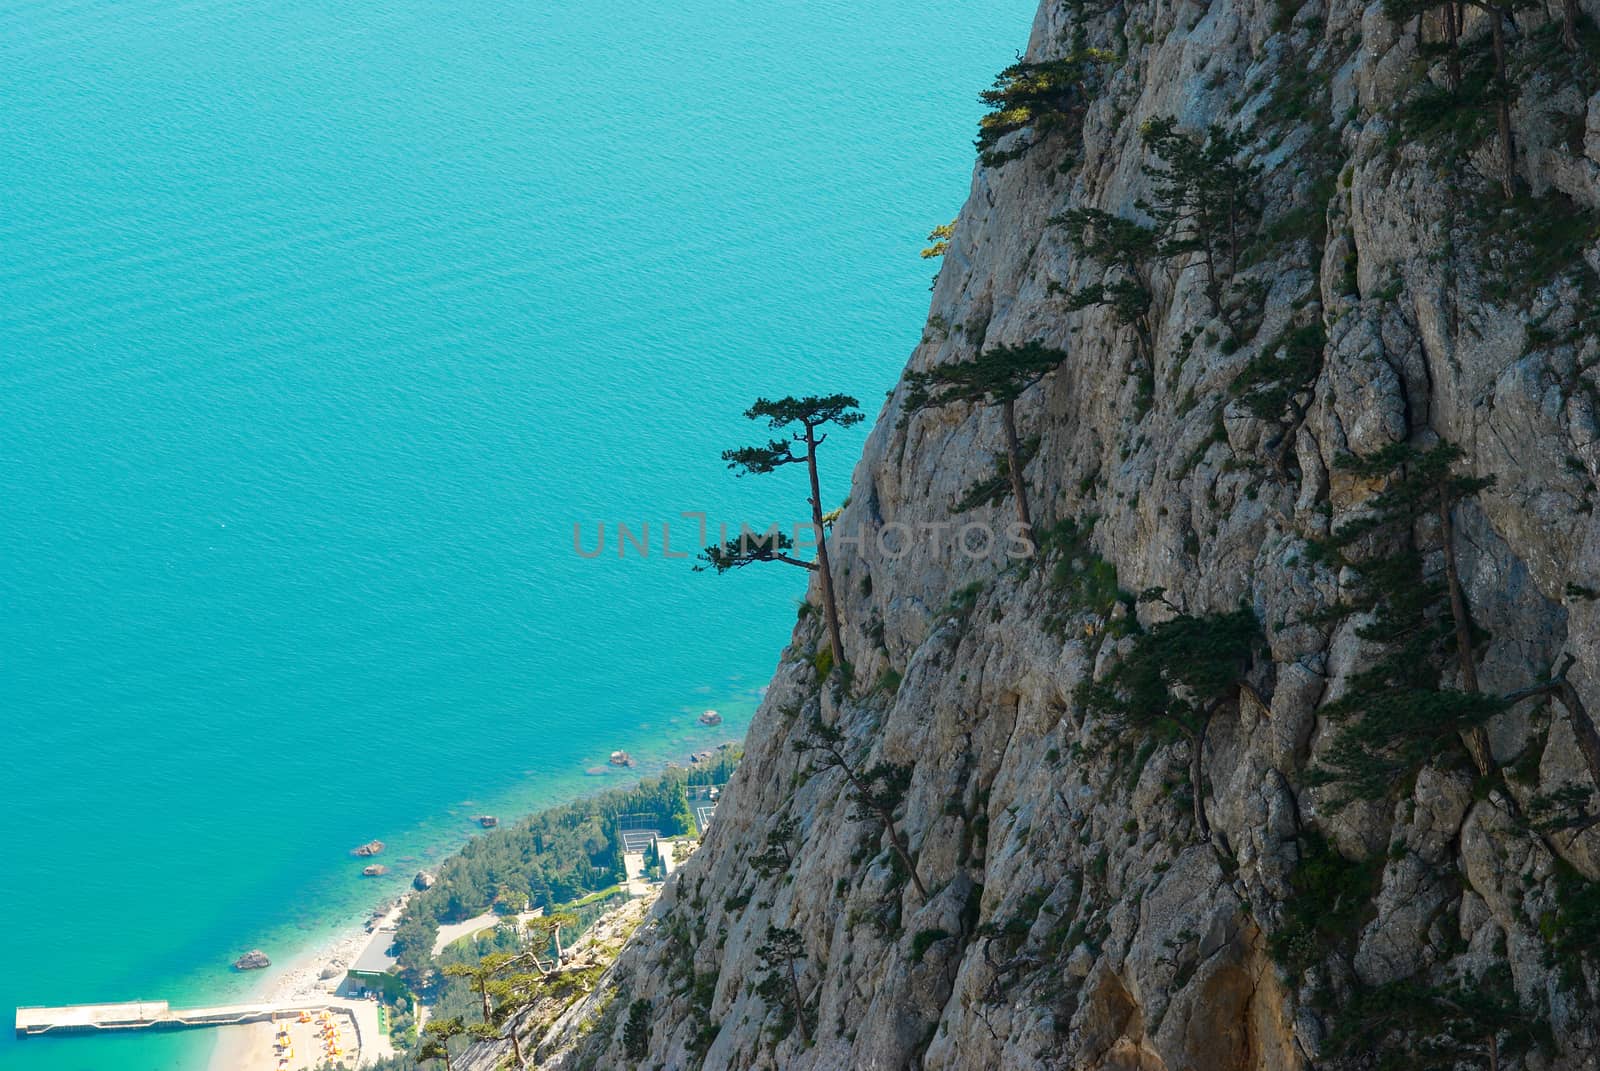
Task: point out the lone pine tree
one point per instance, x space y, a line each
512 994
876 790
1000 375
811 413
480 975
436 1039
781 983
777 857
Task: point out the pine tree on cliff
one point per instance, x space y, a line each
1398 714
876 790
512 995
781 983
1124 249
940 238
1500 92
1044 98
1204 196
997 376
436 1039
479 975
1177 676
812 413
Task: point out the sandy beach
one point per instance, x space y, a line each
299 981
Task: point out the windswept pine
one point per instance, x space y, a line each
811 414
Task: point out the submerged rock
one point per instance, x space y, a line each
254 960
375 870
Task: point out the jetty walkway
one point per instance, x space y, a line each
152 1015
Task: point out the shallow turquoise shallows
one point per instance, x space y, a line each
321 325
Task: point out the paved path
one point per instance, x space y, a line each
455 931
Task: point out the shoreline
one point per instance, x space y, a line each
300 977
301 980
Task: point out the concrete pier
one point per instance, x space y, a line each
147 1015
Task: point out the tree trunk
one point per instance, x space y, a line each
483 991
864 791
1213 291
1452 27
799 1005
1569 24
1233 232
1476 740
1583 727
830 606
1508 151
1197 749
516 1045
1019 486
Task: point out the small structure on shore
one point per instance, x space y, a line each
710 717
372 847
374 870
621 758
254 960
487 821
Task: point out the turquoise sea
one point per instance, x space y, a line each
321 325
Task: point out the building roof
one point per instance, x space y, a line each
375 958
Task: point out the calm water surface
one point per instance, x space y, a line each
321 324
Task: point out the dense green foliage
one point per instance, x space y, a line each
1124 249
1176 674
1270 384
779 985
636 1032
550 858
1407 1025
1174 678
1000 374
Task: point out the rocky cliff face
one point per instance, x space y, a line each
1074 916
